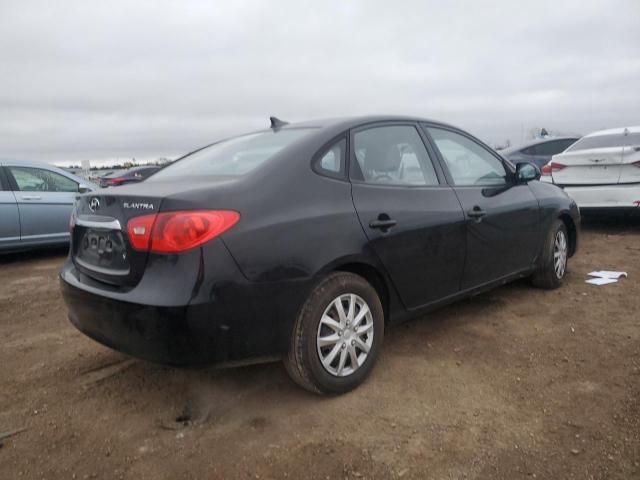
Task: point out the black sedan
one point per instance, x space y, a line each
132 175
538 152
304 241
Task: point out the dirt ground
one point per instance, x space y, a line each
515 383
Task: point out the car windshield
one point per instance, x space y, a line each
232 157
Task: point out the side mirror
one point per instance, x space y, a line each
82 188
527 172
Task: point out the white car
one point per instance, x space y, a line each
601 170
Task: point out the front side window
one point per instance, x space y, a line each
468 162
393 155
233 157
31 179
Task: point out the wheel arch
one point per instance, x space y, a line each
374 276
572 231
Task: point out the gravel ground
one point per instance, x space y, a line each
515 383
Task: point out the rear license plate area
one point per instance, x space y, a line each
103 251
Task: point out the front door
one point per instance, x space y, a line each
412 219
45 200
502 218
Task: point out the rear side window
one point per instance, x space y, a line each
31 179
552 147
331 161
233 157
605 141
393 155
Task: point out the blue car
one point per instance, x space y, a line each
36 200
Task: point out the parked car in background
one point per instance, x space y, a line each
302 241
131 175
600 171
36 200
538 152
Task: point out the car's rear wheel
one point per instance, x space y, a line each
337 336
553 263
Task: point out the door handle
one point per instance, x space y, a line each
476 213
383 222
31 197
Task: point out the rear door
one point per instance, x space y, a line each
412 219
630 168
45 199
9 217
502 218
592 160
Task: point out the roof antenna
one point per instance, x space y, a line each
276 123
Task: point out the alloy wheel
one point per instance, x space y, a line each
345 335
560 254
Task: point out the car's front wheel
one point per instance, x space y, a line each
337 336
553 263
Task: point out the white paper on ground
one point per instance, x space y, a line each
608 274
601 281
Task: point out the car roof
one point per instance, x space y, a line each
614 131
538 141
27 163
351 122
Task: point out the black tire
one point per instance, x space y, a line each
303 361
546 276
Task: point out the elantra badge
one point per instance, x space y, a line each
138 205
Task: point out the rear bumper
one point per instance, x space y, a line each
618 196
235 321
168 335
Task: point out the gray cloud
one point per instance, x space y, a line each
118 79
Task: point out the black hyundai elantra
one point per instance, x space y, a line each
304 241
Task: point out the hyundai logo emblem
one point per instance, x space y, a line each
94 204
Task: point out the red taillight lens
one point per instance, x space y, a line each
139 230
172 232
549 168
116 181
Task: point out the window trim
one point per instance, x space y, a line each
322 151
508 166
5 185
353 162
14 184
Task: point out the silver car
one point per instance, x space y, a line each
36 200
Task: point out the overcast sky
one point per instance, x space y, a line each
121 79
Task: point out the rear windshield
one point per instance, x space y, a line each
232 157
605 141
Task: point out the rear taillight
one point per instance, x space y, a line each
114 182
173 232
550 167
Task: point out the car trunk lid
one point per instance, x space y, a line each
599 166
100 246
